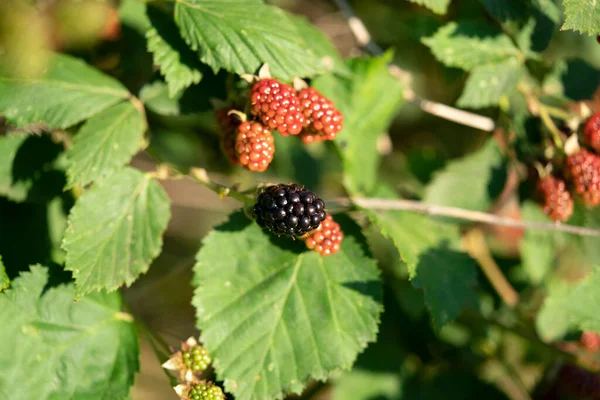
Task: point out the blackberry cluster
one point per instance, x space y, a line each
591 132
322 121
205 391
277 106
556 200
196 359
254 146
289 210
228 124
583 169
326 239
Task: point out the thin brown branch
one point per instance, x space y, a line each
466 215
365 41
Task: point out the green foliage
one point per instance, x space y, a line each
4 281
115 230
239 41
582 16
591 244
578 304
366 385
48 342
273 314
69 92
537 247
178 64
372 88
488 83
468 45
105 143
483 172
437 6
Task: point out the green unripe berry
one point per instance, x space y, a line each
206 391
196 359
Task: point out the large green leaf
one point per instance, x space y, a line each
54 348
471 182
538 248
274 314
240 35
488 83
9 145
578 304
431 250
582 16
115 230
178 64
437 6
69 92
369 98
467 45
591 244
4 281
105 143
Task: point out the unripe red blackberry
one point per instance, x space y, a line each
326 239
322 120
205 391
254 146
590 341
591 132
227 125
556 201
277 106
583 170
289 210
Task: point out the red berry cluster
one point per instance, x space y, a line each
247 140
326 239
582 172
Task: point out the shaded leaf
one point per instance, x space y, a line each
241 35
69 92
178 64
115 230
483 172
54 348
273 314
4 281
591 244
468 45
105 143
488 83
368 99
582 16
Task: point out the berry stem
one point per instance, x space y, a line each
554 132
200 175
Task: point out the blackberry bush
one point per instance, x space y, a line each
289 210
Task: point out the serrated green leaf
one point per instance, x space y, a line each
437 6
31 168
537 247
240 35
483 172
363 384
69 92
273 314
580 303
369 87
591 244
115 230
582 16
552 321
430 249
178 64
549 8
105 143
54 348
468 45
488 83
4 281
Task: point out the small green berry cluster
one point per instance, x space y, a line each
205 391
196 359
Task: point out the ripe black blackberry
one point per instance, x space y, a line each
583 169
591 132
555 199
289 210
